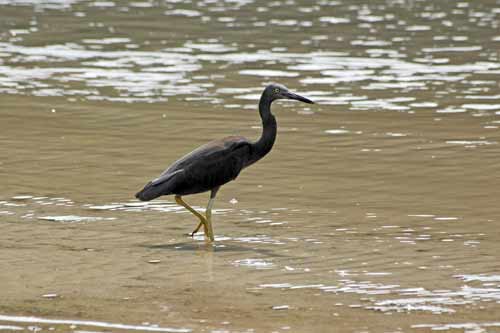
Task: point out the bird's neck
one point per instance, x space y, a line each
269 128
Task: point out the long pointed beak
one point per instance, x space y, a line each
291 95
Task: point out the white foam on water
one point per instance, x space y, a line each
482 107
211 47
479 277
337 131
482 97
255 263
378 273
170 72
268 73
285 23
334 20
276 285
413 304
11 328
407 299
281 307
424 105
106 41
39 320
75 218
452 49
183 12
104 207
392 134
466 327
418 28
451 109
472 142
22 197
446 218
46 4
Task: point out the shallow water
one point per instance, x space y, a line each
376 211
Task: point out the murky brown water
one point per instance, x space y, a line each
377 210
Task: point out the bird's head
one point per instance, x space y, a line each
277 91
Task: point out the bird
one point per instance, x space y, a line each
218 162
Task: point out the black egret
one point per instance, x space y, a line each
216 163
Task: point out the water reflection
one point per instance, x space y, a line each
154 75
138 72
411 299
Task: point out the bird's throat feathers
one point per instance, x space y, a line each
269 130
265 108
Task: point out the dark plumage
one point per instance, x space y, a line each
218 162
203 169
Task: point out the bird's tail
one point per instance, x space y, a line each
149 192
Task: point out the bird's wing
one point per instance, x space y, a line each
164 178
212 151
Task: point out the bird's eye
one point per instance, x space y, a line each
276 90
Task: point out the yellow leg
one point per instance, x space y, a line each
203 220
207 220
208 214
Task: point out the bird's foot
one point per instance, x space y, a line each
202 223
